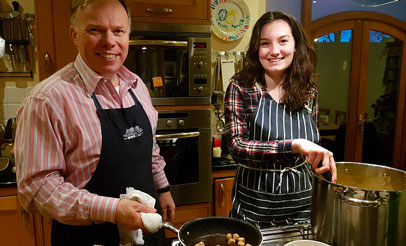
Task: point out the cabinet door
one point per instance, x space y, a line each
175 11
16 225
186 213
222 200
55 48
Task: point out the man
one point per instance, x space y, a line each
87 132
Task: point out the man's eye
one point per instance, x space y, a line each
93 31
119 32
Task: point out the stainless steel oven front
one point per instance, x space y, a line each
184 138
173 60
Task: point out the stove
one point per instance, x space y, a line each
279 235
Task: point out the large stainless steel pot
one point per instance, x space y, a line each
367 206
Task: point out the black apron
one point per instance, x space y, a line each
125 161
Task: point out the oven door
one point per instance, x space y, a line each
163 65
188 164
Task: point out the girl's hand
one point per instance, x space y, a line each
314 155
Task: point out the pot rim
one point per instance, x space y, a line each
318 176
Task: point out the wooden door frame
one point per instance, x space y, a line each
363 22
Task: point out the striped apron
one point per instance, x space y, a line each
278 193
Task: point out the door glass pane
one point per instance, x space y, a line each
332 78
384 64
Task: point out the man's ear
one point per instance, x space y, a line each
74 36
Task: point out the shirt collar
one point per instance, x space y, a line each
91 79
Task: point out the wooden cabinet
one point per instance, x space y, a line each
186 213
54 46
16 226
223 185
175 11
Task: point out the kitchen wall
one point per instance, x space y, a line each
257 8
14 89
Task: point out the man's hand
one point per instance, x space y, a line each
167 205
128 214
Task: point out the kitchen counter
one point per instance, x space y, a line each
223 164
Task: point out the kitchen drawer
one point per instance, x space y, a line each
175 11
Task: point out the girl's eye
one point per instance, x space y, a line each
263 43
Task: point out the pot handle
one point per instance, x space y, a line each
358 202
168 225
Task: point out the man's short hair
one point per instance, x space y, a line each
83 3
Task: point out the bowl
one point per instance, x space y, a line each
306 243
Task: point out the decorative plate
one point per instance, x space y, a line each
230 19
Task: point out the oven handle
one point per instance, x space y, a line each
177 135
159 42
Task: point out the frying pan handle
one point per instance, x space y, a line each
169 226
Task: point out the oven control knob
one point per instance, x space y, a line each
181 123
169 123
200 89
200 64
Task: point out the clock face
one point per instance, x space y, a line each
230 19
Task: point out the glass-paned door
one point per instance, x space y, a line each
381 102
360 78
332 78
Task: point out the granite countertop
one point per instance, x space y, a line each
223 163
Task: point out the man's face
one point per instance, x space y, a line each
101 33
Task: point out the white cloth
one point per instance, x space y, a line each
151 221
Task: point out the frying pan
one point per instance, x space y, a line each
212 230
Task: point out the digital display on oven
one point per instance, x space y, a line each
199 45
200 81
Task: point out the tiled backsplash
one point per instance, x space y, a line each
12 93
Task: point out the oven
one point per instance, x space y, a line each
184 138
173 60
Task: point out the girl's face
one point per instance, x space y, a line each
276 47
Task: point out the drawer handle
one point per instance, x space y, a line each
223 195
159 10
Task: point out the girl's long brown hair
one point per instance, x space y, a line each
298 82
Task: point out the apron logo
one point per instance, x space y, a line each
132 132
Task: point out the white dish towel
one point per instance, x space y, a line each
152 221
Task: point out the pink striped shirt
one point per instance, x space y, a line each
58 142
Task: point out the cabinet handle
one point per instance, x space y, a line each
223 195
159 10
361 121
47 64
